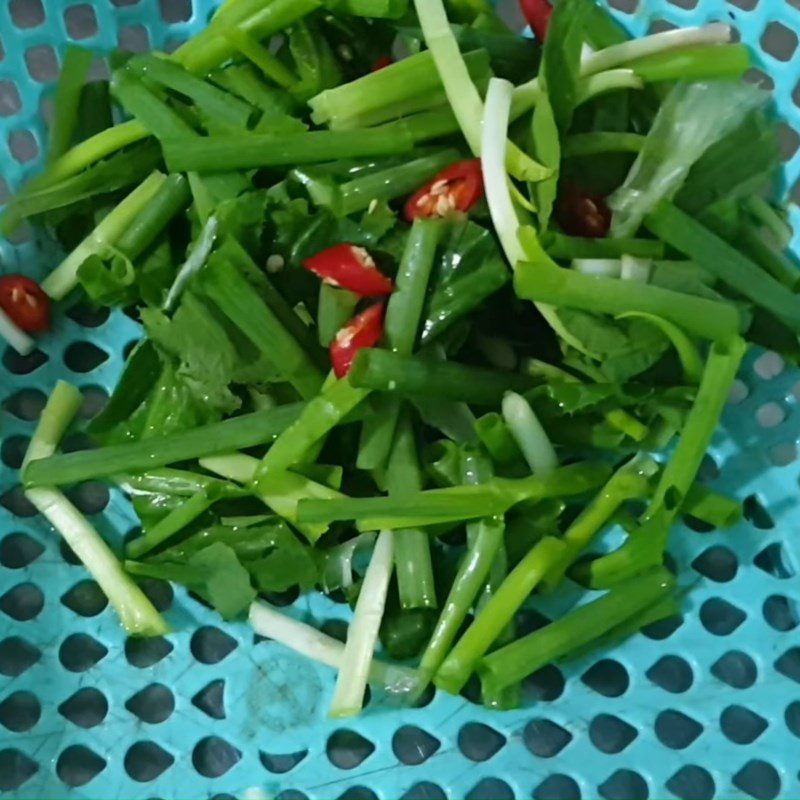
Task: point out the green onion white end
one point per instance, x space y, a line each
619 54
529 434
493 162
363 632
598 267
194 263
59 283
16 337
136 612
635 269
312 643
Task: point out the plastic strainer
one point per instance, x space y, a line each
707 706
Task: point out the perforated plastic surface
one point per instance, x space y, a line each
704 707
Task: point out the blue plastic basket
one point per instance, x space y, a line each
707 706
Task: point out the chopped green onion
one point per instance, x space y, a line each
496 614
74 71
250 150
136 612
65 277
579 627
550 284
455 504
461 92
529 434
413 375
271 623
595 143
362 635
15 336
237 433
323 413
685 233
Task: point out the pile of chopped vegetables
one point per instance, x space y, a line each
416 330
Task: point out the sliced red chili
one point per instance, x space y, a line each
25 303
537 14
363 331
456 188
381 63
581 213
352 268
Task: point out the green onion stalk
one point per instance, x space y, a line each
385 371
497 613
412 549
456 504
248 430
282 492
645 546
628 600
269 622
137 614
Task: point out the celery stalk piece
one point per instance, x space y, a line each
630 482
312 643
146 107
65 277
173 523
390 184
471 577
645 547
210 99
362 635
199 55
564 247
415 578
136 612
258 19
385 371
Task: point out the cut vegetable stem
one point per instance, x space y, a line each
248 430
556 640
498 611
